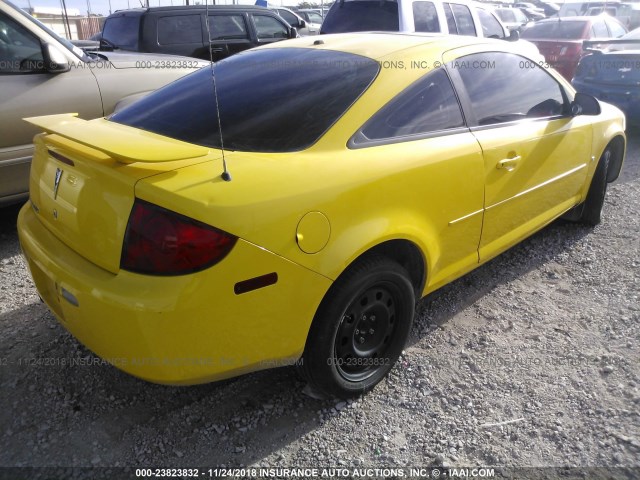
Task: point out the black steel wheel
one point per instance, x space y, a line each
360 329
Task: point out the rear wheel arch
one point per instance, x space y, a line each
406 254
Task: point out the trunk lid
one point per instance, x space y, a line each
83 176
611 69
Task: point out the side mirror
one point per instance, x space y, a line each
105 46
302 24
293 32
55 60
584 104
514 36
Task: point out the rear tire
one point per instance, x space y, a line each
360 329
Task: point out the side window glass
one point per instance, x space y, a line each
425 17
269 28
227 27
490 26
451 22
464 20
179 30
315 17
288 17
429 105
20 50
520 17
504 88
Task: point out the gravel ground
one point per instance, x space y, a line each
531 360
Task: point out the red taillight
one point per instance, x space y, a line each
572 50
161 242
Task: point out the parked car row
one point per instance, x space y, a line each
560 39
611 72
627 12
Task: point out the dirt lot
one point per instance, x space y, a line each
531 360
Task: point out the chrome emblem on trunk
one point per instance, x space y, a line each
56 183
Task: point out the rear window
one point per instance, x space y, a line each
123 31
266 105
569 30
362 16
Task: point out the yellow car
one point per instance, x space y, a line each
290 204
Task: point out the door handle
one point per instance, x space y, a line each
509 164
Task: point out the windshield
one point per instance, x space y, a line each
265 103
122 31
78 52
362 16
556 30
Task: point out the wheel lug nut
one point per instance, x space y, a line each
357 331
361 340
364 317
371 331
372 318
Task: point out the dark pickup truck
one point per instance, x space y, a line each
183 30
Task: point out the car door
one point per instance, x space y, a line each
423 132
269 29
536 155
27 89
178 33
459 19
228 33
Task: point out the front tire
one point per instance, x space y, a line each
360 329
592 212
589 212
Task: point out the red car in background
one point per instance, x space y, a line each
560 39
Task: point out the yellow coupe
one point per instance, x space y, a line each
291 203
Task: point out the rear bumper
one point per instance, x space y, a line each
177 330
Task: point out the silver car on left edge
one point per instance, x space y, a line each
43 74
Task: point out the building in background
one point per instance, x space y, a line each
78 27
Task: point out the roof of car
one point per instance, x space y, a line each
378 45
195 7
567 19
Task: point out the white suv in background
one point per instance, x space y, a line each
457 17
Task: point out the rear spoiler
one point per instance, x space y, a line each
123 143
593 45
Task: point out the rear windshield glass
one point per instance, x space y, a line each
556 30
266 103
362 16
122 32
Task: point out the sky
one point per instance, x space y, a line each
103 6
